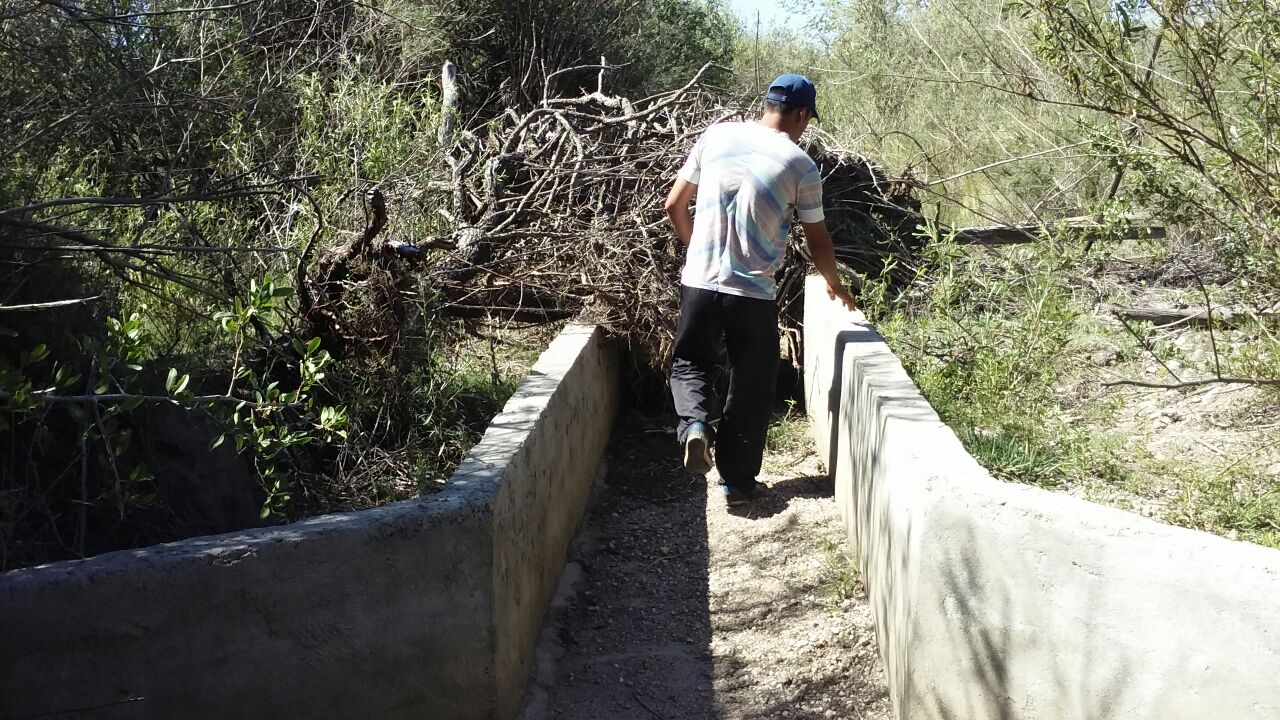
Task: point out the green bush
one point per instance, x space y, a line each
989 337
173 170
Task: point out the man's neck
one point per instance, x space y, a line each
773 121
777 123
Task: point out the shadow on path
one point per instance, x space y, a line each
675 608
632 639
782 492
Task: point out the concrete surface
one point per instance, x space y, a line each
1002 601
426 608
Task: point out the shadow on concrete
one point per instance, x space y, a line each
984 651
1006 662
842 341
635 636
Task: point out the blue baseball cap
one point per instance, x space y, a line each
794 89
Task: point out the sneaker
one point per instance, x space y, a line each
735 497
697 449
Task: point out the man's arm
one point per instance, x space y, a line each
824 259
677 207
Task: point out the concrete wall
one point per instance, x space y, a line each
1002 601
427 608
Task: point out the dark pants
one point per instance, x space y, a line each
749 328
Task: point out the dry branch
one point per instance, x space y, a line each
1189 317
558 212
37 307
353 302
1194 383
1018 234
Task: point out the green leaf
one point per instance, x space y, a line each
169 381
122 442
217 441
77 413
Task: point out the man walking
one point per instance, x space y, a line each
748 178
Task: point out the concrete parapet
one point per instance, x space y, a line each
427 608
1001 601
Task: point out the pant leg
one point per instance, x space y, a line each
696 355
751 334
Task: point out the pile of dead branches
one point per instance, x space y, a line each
557 213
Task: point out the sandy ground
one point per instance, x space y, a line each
1203 456
675 607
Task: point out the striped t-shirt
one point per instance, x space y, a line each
749 180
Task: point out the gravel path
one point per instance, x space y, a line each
675 607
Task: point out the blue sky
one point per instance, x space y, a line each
772 13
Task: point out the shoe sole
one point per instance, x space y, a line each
697 458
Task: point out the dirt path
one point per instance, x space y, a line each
674 607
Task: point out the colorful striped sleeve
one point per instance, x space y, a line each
691 171
809 196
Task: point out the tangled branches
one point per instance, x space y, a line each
557 213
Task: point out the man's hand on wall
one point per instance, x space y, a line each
838 292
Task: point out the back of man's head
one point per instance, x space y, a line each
779 108
791 92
